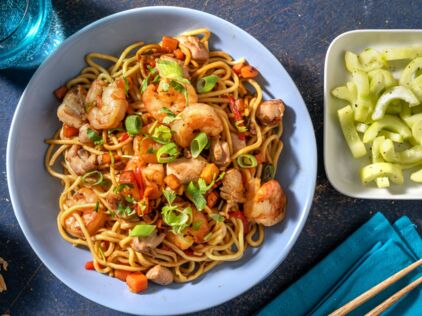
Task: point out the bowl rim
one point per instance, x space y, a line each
328 170
12 137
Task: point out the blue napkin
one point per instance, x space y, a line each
374 252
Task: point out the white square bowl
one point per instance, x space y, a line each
341 168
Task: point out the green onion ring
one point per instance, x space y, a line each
247 161
167 153
89 174
198 144
133 124
206 84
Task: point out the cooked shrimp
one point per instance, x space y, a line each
270 112
80 160
110 106
197 48
233 189
265 205
200 227
186 170
155 99
93 219
197 117
72 109
182 242
153 178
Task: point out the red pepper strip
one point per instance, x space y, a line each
138 178
236 113
241 216
124 137
69 131
89 265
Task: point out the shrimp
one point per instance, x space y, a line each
153 178
80 160
155 99
198 50
197 117
200 226
72 110
110 104
83 134
92 218
265 204
270 112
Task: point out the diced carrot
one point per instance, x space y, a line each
248 72
236 68
212 199
128 177
169 43
106 159
121 274
179 54
60 92
209 172
69 131
89 265
137 282
172 181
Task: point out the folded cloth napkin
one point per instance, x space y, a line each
374 252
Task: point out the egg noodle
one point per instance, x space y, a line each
228 231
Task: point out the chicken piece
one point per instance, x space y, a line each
238 143
72 110
160 275
233 189
80 160
181 64
186 170
149 243
198 50
271 112
220 152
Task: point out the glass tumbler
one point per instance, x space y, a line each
24 26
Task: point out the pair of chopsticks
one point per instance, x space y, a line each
379 288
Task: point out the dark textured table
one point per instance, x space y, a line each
298 34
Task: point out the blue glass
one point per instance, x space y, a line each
24 26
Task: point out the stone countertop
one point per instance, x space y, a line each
298 34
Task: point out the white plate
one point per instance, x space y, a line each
341 168
35 193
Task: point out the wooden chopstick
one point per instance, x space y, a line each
394 298
347 308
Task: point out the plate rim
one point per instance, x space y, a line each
10 163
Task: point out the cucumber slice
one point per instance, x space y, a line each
395 93
382 169
353 140
388 122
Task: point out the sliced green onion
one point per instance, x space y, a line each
161 134
198 144
97 205
142 230
92 182
217 217
133 124
206 84
126 85
169 69
267 173
247 161
144 84
167 153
